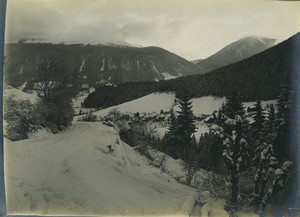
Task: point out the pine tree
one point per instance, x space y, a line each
233 106
236 150
186 126
281 124
209 152
170 140
270 122
266 165
172 122
258 118
180 141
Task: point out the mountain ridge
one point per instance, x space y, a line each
97 64
236 51
258 77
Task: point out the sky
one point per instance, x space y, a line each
193 29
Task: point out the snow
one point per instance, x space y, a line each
77 103
82 65
201 128
213 208
79 99
287 165
151 103
74 172
156 102
22 86
168 76
205 105
161 131
103 64
165 101
263 103
20 95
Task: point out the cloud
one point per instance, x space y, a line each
192 29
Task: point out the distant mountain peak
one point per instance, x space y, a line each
237 51
255 39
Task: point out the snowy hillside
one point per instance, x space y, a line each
88 170
18 94
151 103
156 102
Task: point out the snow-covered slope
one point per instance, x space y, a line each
205 105
19 95
75 172
151 103
156 102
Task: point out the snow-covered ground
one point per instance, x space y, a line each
151 103
18 94
168 76
205 105
88 170
156 102
75 172
77 104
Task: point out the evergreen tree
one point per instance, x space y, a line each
210 152
258 118
233 106
271 153
270 122
282 130
172 122
186 126
266 165
170 139
236 150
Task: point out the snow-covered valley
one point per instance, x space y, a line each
89 170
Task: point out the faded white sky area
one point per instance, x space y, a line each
192 29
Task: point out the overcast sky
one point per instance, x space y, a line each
192 29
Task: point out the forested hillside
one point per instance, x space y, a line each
258 77
95 65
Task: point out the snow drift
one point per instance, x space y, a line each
87 170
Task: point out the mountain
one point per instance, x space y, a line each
236 51
96 64
258 77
